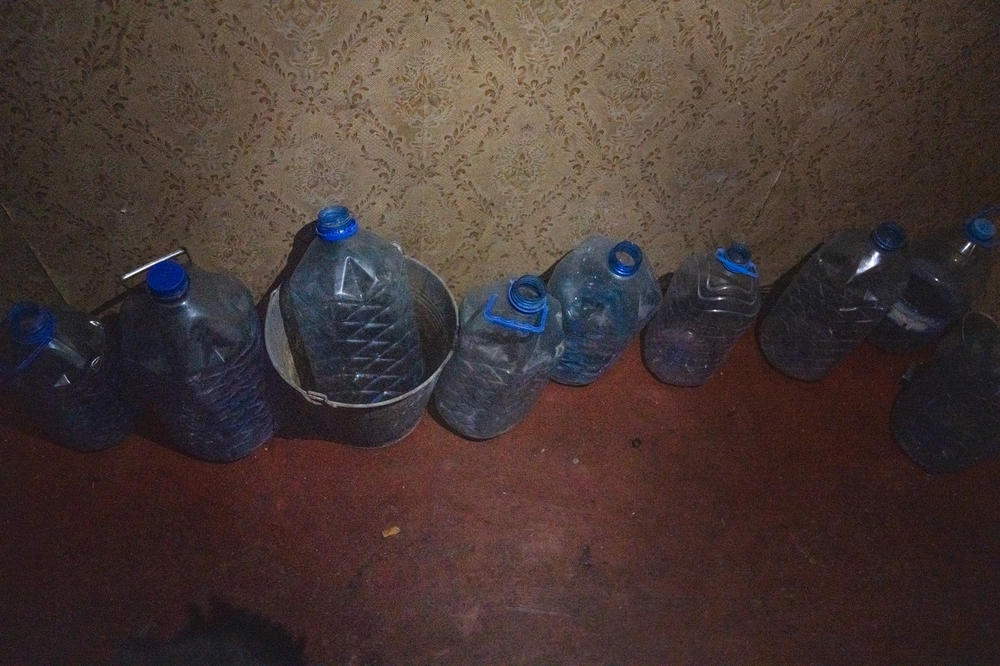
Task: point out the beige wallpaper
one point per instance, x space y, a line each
487 137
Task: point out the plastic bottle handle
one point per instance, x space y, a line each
749 268
6 374
516 325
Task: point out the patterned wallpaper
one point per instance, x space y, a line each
486 137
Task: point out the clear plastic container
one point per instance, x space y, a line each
348 313
946 272
59 366
608 294
711 301
835 300
510 339
192 343
947 417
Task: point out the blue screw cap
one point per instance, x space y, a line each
335 223
980 231
167 281
31 324
889 236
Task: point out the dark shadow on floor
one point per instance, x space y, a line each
225 634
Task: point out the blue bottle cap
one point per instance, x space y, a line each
736 259
167 281
31 324
980 231
335 223
889 236
633 259
527 294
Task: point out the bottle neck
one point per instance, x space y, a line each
965 254
526 294
973 244
624 259
30 324
736 259
33 328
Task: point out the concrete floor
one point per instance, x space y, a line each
755 519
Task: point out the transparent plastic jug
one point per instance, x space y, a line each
193 343
61 368
947 417
608 293
947 270
711 301
348 313
834 301
510 339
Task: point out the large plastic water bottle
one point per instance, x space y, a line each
946 272
711 301
193 342
608 294
835 300
349 317
947 417
510 339
59 366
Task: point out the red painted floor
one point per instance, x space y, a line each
755 519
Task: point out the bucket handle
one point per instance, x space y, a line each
125 287
145 267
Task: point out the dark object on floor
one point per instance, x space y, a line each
226 636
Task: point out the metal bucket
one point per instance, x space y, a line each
309 415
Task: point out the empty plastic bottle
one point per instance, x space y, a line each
946 271
349 317
947 417
192 341
510 339
839 295
711 301
607 294
59 365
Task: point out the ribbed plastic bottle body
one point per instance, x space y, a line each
836 299
946 273
706 308
351 325
70 385
602 311
497 372
947 417
198 361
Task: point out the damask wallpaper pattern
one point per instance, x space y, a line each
487 137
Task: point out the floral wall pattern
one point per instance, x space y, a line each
488 138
